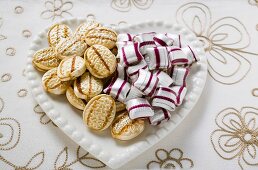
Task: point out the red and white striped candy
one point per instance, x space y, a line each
163 40
179 75
130 55
139 108
159 116
133 93
164 78
145 40
121 44
191 54
146 82
177 39
121 72
157 58
165 97
133 71
125 37
118 89
180 93
177 56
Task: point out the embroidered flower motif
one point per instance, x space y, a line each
172 159
224 41
57 8
237 135
126 5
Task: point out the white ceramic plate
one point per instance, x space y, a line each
110 151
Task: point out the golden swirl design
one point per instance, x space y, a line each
11 130
172 159
237 135
10 51
62 160
44 119
57 8
126 5
225 41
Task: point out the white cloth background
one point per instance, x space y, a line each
229 30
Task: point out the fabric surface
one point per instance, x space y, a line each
221 132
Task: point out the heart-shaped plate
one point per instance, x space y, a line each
110 151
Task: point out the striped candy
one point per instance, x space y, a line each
125 37
146 82
190 53
118 89
177 56
139 108
163 40
159 116
179 75
133 71
157 58
145 40
130 55
165 97
164 78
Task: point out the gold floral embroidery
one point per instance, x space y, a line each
253 2
44 119
82 157
224 40
1 105
237 135
18 9
34 163
26 33
126 5
10 51
6 77
56 8
22 92
172 159
10 129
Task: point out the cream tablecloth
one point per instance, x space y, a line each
220 133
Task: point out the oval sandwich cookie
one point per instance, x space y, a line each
87 86
71 46
85 27
45 59
100 61
58 33
70 68
102 36
99 112
74 100
52 84
124 128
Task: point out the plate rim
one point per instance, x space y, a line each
73 133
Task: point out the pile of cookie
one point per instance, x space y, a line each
117 80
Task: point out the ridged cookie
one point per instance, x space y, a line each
58 33
70 68
71 46
52 84
74 100
85 27
99 112
124 128
100 61
45 59
87 86
102 36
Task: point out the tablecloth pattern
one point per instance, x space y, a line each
220 133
